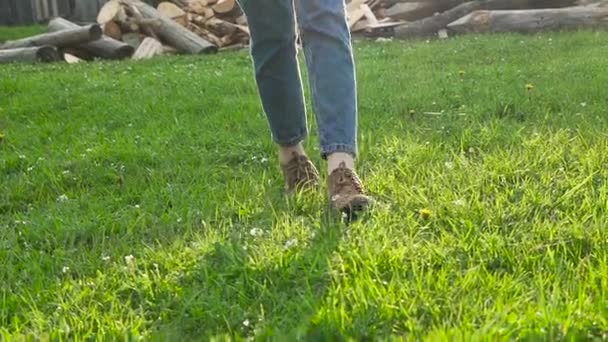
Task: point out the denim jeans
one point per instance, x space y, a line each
326 41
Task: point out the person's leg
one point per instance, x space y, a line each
273 49
329 57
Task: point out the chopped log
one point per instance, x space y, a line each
224 6
355 15
241 20
71 59
220 27
411 11
108 12
104 47
360 25
173 33
198 6
170 9
76 52
63 38
133 38
139 21
526 21
149 48
43 54
369 15
112 29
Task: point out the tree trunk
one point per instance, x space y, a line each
526 21
64 38
44 54
173 33
104 47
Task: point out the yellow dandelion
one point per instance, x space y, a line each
529 86
425 213
2 136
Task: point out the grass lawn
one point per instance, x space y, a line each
143 199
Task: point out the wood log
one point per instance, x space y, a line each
355 15
138 21
430 26
133 38
43 54
170 9
149 48
198 6
410 11
104 47
173 33
224 6
369 15
108 12
63 38
526 21
519 4
112 29
71 59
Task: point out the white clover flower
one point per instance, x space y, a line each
62 198
129 259
459 202
256 232
290 243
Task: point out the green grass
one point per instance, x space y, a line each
10 33
170 161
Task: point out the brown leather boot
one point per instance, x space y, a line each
346 192
300 174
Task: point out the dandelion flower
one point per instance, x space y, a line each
2 136
425 213
529 86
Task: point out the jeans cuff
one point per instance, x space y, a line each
291 141
344 148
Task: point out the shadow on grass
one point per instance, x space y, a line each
230 297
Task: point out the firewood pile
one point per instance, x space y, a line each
135 29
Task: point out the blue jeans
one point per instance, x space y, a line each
326 41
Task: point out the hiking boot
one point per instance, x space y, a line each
299 174
346 191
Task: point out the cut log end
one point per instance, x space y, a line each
42 54
47 54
